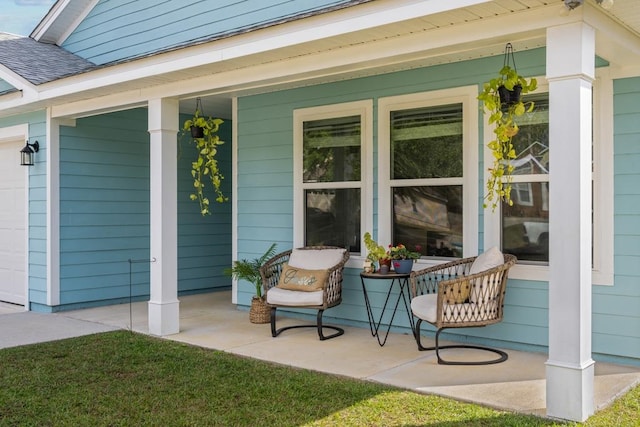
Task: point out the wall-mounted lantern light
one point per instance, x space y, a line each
26 154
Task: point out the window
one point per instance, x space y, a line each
523 229
330 174
427 171
525 224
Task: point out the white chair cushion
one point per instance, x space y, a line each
316 259
277 296
486 261
424 307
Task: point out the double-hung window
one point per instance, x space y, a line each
523 228
331 162
428 172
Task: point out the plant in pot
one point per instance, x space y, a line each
203 131
375 254
501 99
249 270
402 258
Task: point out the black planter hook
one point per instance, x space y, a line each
509 97
508 57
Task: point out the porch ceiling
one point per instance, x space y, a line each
250 63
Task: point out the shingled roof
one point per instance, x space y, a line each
38 62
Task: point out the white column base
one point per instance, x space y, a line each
164 318
570 391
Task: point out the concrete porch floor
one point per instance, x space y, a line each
212 321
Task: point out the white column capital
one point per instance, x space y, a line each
571 52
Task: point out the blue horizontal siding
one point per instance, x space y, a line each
269 190
104 207
114 31
104 214
204 243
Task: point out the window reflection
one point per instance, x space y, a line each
333 218
429 218
525 225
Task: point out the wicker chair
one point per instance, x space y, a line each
328 258
455 295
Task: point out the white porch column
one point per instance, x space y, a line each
164 312
570 369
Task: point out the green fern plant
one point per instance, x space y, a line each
249 270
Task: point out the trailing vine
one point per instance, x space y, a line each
503 114
205 167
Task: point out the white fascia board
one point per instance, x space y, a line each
353 58
61 20
270 39
49 19
531 25
17 82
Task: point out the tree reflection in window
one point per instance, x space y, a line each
426 172
332 157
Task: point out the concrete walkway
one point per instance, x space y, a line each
211 321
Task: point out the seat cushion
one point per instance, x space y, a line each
278 296
316 259
424 307
300 279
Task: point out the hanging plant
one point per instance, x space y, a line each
204 130
501 99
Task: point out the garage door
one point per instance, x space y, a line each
12 223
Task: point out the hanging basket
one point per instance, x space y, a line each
509 97
259 311
197 132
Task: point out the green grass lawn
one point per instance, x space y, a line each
124 378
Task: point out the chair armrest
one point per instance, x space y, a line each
333 290
271 270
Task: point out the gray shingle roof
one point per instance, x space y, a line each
38 62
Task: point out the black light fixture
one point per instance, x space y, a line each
572 4
26 154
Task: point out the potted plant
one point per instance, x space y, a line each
501 99
402 258
249 270
375 254
203 131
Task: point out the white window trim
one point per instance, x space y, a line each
364 109
602 272
467 97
